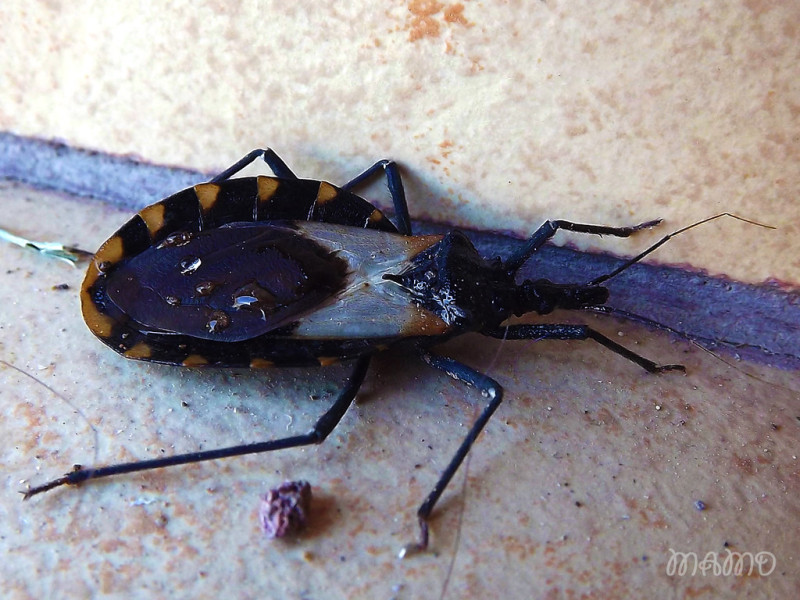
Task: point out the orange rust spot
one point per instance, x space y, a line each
422 28
327 361
207 194
153 217
455 14
326 192
424 8
261 363
423 23
267 186
194 360
140 351
376 216
576 130
744 464
446 146
425 20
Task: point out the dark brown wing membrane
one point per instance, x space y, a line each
228 284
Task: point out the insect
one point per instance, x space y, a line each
280 271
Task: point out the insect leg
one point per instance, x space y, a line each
395 184
575 332
549 228
665 239
321 429
273 161
490 389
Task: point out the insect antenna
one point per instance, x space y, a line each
629 316
704 343
630 262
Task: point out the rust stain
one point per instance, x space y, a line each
700 591
455 14
576 130
428 16
521 547
744 465
423 24
606 418
446 147
759 7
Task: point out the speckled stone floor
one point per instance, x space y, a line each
589 475
587 481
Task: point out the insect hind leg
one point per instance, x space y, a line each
323 427
274 162
395 184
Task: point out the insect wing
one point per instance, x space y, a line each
227 284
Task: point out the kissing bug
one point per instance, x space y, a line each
279 271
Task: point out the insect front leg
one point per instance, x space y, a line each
575 332
490 389
395 184
317 435
549 229
274 162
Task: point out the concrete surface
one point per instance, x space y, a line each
503 114
583 484
506 113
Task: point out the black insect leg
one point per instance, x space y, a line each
273 161
321 429
490 389
575 332
549 228
395 184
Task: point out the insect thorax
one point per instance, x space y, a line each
452 280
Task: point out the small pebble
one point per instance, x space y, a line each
284 509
